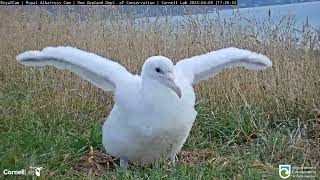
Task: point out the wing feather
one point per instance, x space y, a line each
204 66
101 72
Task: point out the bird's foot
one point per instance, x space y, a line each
173 159
156 164
124 163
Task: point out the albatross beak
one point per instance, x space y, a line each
169 81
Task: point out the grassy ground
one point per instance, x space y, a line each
250 121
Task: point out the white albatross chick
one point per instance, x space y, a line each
153 113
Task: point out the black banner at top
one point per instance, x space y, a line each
125 2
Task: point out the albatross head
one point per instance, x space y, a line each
160 69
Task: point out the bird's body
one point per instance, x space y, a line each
146 133
153 112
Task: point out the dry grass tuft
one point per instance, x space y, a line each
293 80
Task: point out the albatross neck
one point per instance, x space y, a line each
153 90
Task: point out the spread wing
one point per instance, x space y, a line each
101 72
204 66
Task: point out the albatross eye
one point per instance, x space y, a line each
158 70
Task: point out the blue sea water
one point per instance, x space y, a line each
301 12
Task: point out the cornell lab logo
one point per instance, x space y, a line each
24 172
284 171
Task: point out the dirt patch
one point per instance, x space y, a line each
98 163
196 156
95 163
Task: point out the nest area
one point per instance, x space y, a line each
98 163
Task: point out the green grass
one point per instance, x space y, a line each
55 136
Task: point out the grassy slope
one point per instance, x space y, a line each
253 121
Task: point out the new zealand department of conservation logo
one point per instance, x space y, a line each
284 171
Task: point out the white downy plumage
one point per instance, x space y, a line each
153 113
